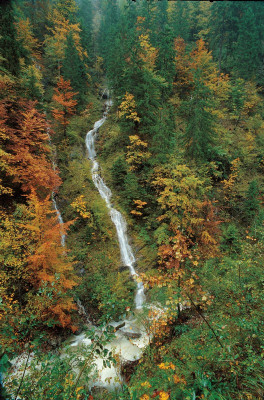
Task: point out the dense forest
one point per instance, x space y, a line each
172 93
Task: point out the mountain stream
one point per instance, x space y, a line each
131 336
124 345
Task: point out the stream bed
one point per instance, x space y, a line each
132 334
123 345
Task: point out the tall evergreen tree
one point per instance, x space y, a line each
85 14
74 70
199 133
109 26
9 47
180 19
166 56
252 203
236 36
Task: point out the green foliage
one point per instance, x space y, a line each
73 69
185 156
199 136
235 34
230 240
119 172
61 374
252 204
9 46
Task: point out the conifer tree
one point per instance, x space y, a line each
252 203
9 46
73 69
199 133
86 14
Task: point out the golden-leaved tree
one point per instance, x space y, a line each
36 272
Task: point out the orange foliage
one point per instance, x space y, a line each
184 79
36 274
48 258
208 231
4 155
200 58
139 206
27 147
63 96
48 262
172 255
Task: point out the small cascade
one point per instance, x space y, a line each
81 308
53 198
126 252
63 236
131 336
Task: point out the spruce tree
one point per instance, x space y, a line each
252 204
9 46
199 133
74 70
85 14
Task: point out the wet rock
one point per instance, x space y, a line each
127 369
132 335
120 326
122 268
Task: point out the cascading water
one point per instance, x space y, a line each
53 198
126 253
127 347
81 308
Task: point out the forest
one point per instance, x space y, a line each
131 200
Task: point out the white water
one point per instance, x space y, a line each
63 236
126 252
128 349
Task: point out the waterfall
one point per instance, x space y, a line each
53 198
127 347
126 252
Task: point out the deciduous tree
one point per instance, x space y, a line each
65 103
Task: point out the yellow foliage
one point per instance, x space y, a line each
177 380
128 108
31 73
166 366
146 384
164 395
99 64
137 153
229 183
55 41
135 212
179 189
139 205
26 37
144 397
149 53
80 206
